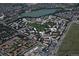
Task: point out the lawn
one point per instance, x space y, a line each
39 27
70 45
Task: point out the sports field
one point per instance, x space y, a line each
70 44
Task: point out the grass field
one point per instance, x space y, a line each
39 27
70 45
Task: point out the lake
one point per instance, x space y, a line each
39 13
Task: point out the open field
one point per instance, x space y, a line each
70 45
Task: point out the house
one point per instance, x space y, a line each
46 39
30 53
32 37
24 20
15 25
42 33
2 16
38 19
57 38
55 34
50 16
53 29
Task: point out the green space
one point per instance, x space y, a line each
39 13
70 45
38 26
